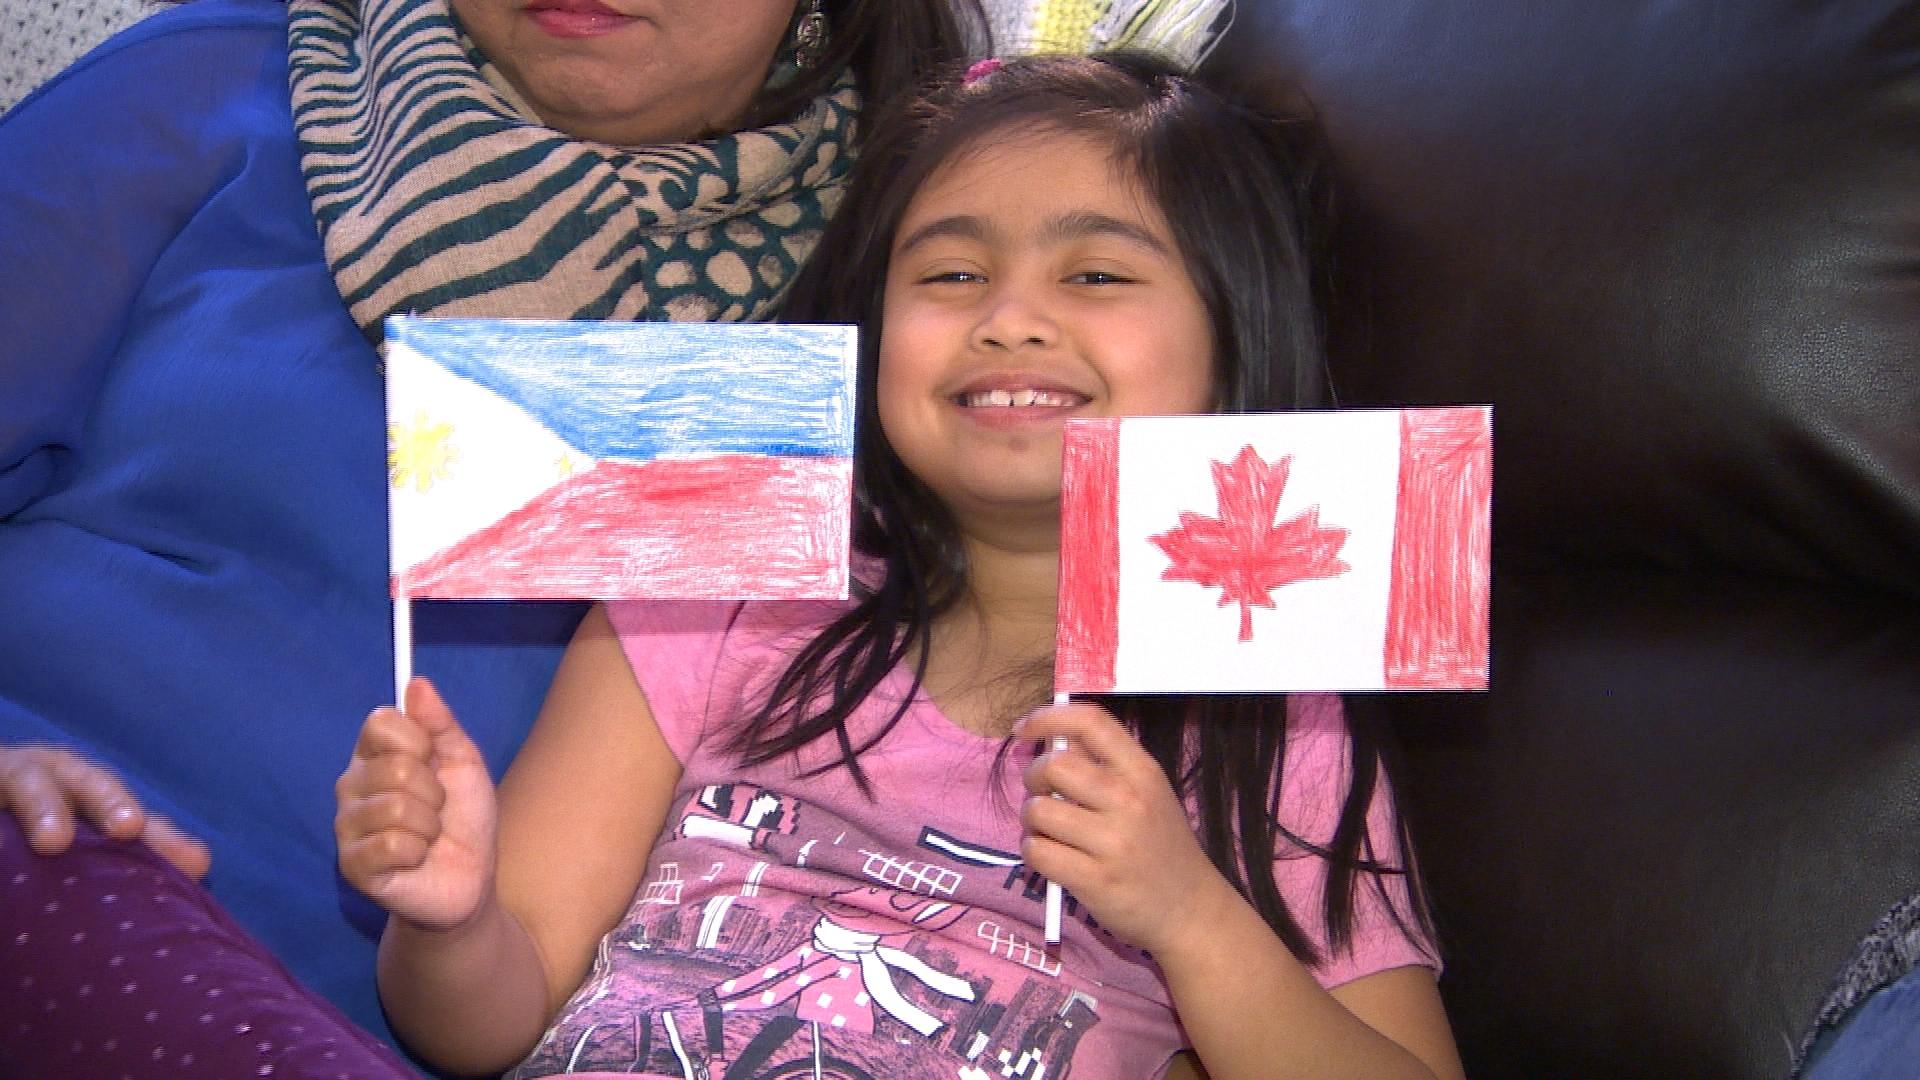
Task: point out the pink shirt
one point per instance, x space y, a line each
783 916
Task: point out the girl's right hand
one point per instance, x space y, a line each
416 822
47 787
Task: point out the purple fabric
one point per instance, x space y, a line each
114 965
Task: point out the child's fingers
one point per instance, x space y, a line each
449 741
1064 823
382 832
1060 863
1086 727
390 813
1074 775
397 774
390 789
370 791
369 862
1102 763
388 731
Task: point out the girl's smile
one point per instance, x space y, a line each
1031 281
1008 401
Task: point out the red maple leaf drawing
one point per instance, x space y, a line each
1243 553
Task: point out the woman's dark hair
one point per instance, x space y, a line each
1243 193
889 44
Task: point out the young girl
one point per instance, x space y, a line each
786 839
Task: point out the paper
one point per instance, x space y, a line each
1273 553
597 460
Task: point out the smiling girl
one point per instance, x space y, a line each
771 840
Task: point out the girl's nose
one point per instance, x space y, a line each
1011 321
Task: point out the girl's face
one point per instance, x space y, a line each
1031 281
630 72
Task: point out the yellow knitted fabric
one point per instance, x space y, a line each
1066 26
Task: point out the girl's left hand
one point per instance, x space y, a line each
1118 837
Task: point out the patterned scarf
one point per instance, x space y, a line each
438 192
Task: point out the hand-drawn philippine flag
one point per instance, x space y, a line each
584 460
1276 553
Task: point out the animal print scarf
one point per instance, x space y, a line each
438 192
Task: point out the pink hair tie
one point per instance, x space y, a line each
980 70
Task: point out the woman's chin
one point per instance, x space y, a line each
577 95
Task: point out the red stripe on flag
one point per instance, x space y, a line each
1437 608
735 526
1088 635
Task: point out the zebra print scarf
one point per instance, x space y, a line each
438 192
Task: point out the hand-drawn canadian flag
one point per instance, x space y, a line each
1273 553
594 460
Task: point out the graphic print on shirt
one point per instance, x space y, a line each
773 941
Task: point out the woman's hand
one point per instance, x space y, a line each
416 824
46 786
1118 837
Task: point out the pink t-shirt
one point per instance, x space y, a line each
785 920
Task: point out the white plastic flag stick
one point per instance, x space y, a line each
1053 889
402 641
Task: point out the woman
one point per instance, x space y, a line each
191 503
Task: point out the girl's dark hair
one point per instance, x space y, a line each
1243 193
889 44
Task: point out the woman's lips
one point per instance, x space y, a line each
575 18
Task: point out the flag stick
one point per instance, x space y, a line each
1053 889
402 641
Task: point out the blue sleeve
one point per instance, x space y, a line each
99 171
192 478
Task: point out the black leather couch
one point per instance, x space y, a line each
1677 244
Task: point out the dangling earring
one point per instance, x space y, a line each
810 37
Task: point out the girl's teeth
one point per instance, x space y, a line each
1016 398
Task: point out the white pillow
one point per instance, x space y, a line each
40 37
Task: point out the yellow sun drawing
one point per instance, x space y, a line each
419 453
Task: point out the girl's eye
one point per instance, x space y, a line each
953 277
1099 277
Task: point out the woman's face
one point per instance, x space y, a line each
632 72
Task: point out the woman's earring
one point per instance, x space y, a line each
810 37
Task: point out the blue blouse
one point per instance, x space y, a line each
192 478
